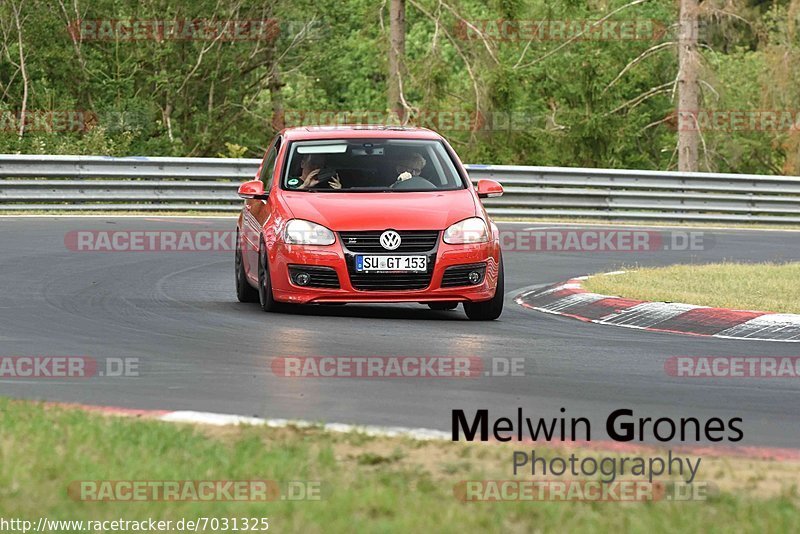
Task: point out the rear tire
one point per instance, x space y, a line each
443 306
265 297
491 309
244 291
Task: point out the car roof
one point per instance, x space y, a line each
357 131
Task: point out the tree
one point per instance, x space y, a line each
397 46
688 87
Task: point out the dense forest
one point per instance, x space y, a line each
589 83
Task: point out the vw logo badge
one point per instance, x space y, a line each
390 240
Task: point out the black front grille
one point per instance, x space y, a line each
320 276
458 275
410 241
390 282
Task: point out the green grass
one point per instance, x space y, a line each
368 484
766 287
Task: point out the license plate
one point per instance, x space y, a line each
414 264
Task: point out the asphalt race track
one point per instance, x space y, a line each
200 349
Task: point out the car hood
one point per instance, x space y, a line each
379 211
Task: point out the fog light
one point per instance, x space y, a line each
474 277
302 279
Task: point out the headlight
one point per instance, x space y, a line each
300 232
471 230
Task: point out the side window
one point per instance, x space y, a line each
268 168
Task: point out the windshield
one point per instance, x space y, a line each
362 165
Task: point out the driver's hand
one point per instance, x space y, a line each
404 176
310 180
335 183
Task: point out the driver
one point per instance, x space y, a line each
409 166
310 167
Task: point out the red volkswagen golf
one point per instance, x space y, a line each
367 214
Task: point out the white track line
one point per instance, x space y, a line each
216 419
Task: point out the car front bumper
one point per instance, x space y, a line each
337 258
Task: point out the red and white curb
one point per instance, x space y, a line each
427 434
570 299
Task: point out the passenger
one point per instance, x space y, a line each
310 167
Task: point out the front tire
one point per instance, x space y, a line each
244 291
265 297
491 309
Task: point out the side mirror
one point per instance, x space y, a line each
252 189
489 189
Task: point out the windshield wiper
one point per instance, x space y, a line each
368 189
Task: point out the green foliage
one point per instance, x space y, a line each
543 102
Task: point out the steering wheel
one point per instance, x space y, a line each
415 182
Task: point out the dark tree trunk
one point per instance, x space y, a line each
397 45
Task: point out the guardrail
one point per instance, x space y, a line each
92 183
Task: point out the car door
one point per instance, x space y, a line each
258 212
